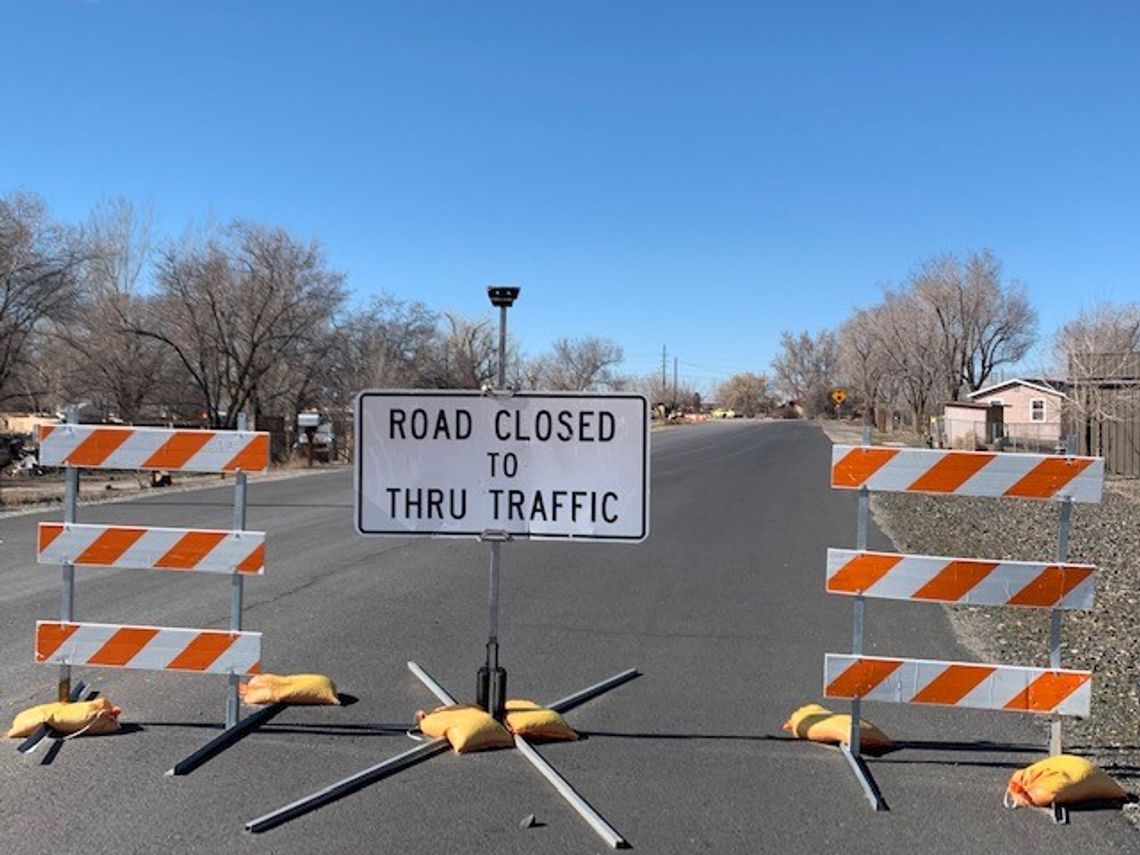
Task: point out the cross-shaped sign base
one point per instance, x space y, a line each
438 746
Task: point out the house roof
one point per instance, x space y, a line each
1047 387
968 405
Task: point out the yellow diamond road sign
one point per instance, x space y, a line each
838 396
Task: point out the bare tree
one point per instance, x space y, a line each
233 307
579 364
464 355
863 362
1101 351
40 261
807 368
105 362
981 322
386 344
912 351
745 393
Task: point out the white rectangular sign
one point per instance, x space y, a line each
537 465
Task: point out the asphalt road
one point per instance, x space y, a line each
722 610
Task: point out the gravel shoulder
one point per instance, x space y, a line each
1105 640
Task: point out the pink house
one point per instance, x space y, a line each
1032 410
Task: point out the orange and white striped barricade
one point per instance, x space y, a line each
119 447
862 573
966 581
957 684
237 553
197 550
149 648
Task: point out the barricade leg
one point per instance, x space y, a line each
225 739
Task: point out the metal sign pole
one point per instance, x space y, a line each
491 679
237 590
67 601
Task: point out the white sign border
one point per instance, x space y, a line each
357 509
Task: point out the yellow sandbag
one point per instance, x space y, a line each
299 689
526 718
26 721
1064 780
819 724
93 717
467 727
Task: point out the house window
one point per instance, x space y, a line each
1037 410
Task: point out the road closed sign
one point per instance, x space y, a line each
532 465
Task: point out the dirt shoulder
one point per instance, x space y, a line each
27 495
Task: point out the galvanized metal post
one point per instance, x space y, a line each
237 590
1055 625
860 604
67 599
859 613
491 680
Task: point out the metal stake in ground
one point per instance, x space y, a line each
491 679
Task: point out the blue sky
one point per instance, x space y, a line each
695 175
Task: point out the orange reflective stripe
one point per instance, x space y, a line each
954 580
50 636
1051 586
1046 692
255 668
953 684
202 651
951 472
859 464
123 646
47 533
254 457
191 548
1047 477
43 432
254 561
862 571
109 546
99 445
861 677
176 451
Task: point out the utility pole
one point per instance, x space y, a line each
664 383
674 383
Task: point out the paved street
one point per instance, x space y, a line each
722 610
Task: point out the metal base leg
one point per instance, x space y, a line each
560 784
438 746
74 694
863 775
348 785
225 739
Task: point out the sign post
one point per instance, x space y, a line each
496 465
